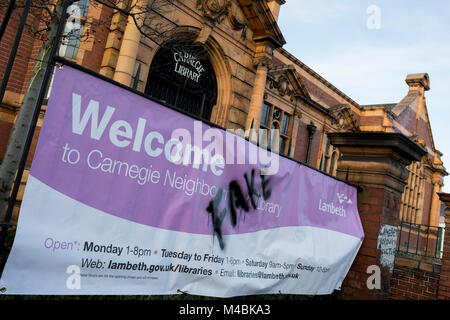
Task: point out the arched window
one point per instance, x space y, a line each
182 76
274 136
333 165
278 123
329 160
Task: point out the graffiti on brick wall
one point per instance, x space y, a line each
387 243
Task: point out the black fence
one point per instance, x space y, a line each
420 240
5 217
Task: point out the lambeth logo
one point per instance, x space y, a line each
331 208
343 198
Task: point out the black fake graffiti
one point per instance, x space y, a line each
237 202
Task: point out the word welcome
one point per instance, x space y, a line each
180 149
123 135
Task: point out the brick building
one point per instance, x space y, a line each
223 61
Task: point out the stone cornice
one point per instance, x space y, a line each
445 198
405 147
376 159
262 22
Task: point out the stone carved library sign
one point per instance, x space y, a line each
188 65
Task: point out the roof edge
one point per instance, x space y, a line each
288 55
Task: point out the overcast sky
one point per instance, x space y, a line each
368 58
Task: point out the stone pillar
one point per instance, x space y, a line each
376 162
130 45
435 202
444 281
293 143
263 57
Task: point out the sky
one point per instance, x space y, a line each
366 48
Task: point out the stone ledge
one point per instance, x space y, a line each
445 198
395 141
418 264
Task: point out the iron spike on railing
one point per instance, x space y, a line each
136 77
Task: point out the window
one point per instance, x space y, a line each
277 123
412 196
284 133
265 115
329 160
274 136
73 29
182 76
285 124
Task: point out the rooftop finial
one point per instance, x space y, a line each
418 80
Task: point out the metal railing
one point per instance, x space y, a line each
420 240
49 62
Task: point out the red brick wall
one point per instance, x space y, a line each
371 121
29 47
302 142
33 147
5 130
301 146
427 196
409 283
99 32
374 210
444 285
319 93
315 148
27 51
376 207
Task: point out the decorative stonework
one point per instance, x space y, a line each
237 19
344 118
298 113
285 81
282 84
262 60
216 10
427 161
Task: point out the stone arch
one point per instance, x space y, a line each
219 63
222 69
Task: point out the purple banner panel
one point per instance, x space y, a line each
126 196
133 158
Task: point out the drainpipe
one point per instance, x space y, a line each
311 130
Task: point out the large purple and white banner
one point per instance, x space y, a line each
128 197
